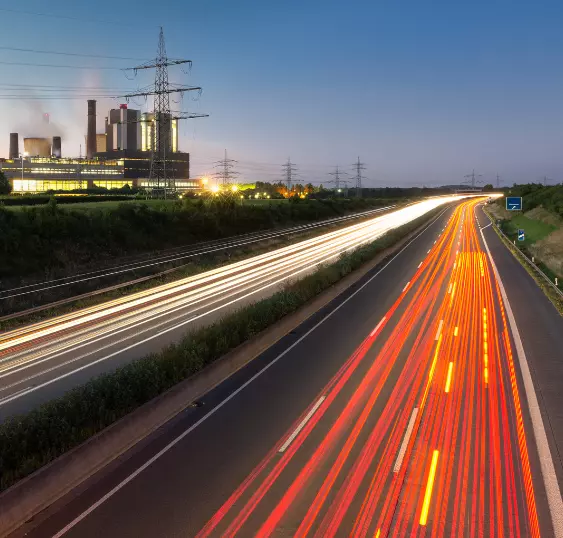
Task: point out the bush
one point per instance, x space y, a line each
30 441
60 240
5 185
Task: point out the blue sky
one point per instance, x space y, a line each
422 91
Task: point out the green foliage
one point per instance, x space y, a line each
488 187
534 230
5 185
30 441
536 194
55 238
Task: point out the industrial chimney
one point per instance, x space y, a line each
57 146
14 146
91 133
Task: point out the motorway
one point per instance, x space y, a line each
398 410
41 361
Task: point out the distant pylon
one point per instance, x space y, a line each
289 170
337 173
359 166
226 173
498 181
473 177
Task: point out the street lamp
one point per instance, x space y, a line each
22 155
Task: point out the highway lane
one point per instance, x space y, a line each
41 361
400 413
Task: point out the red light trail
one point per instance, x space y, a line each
419 434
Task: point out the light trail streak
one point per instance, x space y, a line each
365 469
178 254
314 251
449 378
429 487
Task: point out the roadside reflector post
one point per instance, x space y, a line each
556 282
533 260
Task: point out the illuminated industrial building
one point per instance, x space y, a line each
120 157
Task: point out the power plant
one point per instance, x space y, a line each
121 156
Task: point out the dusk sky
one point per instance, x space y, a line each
422 91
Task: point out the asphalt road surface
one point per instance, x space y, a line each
41 361
398 410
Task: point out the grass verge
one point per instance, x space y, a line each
30 441
548 290
534 230
196 265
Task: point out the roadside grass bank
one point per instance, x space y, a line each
543 232
48 242
36 307
525 260
30 441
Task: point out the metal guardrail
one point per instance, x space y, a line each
530 262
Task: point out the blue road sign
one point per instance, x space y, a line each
514 203
521 236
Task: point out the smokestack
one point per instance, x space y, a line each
14 146
91 133
57 146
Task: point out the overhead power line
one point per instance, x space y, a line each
53 98
59 53
91 67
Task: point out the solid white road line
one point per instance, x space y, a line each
438 332
378 325
485 227
405 442
175 441
552 490
302 424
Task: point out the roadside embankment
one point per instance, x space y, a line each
534 266
543 234
51 241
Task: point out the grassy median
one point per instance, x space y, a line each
32 440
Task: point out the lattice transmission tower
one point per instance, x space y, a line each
226 173
337 180
473 177
161 169
290 171
359 166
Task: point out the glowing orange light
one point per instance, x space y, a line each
429 486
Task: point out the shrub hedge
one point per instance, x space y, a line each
51 240
29 441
